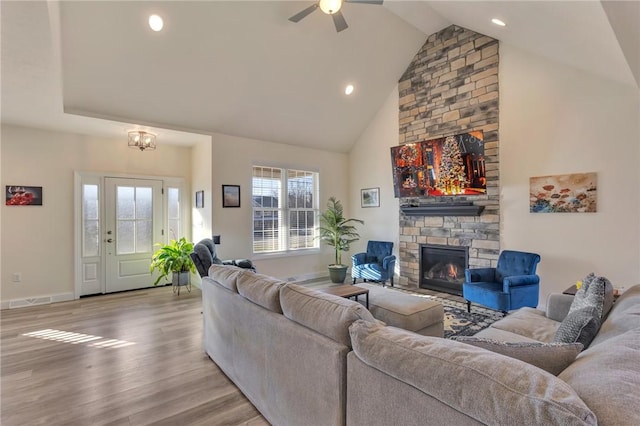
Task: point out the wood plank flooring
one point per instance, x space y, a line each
136 359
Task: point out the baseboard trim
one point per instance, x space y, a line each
37 300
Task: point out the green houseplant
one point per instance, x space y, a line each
337 232
174 258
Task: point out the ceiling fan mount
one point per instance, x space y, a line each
331 7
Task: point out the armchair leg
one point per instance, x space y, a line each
391 280
468 306
354 280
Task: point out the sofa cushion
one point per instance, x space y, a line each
325 313
607 379
261 290
529 322
551 357
227 276
491 388
624 316
581 326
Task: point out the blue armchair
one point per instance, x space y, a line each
377 264
512 284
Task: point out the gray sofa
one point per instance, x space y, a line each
283 345
397 377
304 357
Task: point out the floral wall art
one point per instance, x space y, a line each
572 193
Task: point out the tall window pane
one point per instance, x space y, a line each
173 204
90 221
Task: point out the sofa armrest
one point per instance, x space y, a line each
388 262
558 306
358 258
480 274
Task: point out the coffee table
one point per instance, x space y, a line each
348 291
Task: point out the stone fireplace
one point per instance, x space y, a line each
451 87
442 267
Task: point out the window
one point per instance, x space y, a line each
173 213
285 209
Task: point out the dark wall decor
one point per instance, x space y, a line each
230 195
199 199
21 195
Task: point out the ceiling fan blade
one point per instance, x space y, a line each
298 16
339 22
365 1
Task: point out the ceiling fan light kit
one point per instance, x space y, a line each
331 7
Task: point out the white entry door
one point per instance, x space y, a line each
133 224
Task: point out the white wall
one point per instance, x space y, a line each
233 158
556 120
38 241
201 155
370 167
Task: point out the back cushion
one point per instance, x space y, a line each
261 290
491 388
227 276
324 313
516 263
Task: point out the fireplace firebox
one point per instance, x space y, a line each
442 267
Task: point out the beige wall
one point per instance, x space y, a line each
555 120
39 241
233 158
201 181
370 167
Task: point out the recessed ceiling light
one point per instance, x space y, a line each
498 22
349 89
155 22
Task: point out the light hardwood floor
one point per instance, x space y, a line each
153 372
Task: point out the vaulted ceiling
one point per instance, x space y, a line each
242 68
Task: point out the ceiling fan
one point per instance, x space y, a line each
331 7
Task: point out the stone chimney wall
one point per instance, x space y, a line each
451 87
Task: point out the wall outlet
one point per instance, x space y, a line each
16 277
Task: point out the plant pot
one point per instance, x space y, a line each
338 273
181 278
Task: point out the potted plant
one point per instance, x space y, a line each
174 258
338 232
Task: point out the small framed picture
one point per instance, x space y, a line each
21 195
370 197
230 195
199 199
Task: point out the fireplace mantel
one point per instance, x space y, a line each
442 209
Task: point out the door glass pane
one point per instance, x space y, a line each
125 237
144 205
90 221
125 204
144 236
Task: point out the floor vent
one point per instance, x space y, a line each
29 301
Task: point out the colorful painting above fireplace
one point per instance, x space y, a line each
452 165
572 193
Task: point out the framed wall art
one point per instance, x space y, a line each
21 195
199 199
571 193
230 195
370 197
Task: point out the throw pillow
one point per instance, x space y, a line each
595 291
580 326
551 357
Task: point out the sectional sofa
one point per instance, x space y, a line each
303 357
